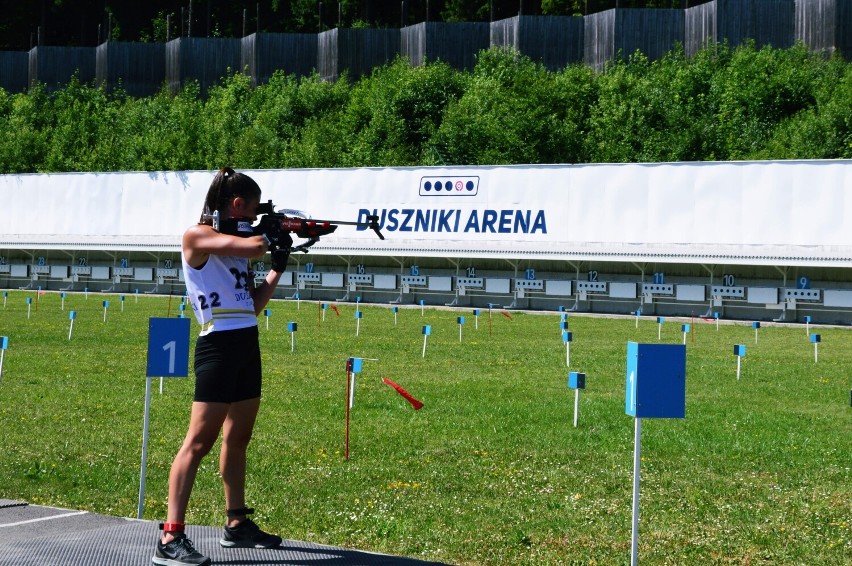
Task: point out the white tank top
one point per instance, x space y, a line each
218 292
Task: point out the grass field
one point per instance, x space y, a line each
490 471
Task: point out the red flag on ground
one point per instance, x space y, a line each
504 313
414 402
334 308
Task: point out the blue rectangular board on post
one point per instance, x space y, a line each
656 381
168 347
576 380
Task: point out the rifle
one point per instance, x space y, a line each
278 225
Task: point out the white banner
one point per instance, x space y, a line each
770 213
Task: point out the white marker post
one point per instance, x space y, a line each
121 298
62 296
358 316
71 316
660 321
395 311
422 304
181 310
427 330
267 313
576 381
298 302
168 355
739 352
716 316
324 308
655 388
136 296
357 304
86 293
756 326
816 339
476 319
4 345
460 320
638 314
685 329
5 296
106 306
807 325
567 337
292 327
29 306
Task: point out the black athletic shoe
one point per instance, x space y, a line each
248 535
179 552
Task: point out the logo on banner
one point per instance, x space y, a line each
449 186
456 220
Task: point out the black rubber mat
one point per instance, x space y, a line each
33 535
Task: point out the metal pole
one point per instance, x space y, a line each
637 450
144 447
576 406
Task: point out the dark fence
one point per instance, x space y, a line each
265 53
14 69
553 41
137 68
205 60
618 32
767 22
454 44
825 25
54 66
141 69
357 51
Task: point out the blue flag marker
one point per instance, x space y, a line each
685 329
181 310
815 340
807 324
638 314
168 356
29 306
567 337
358 316
267 313
106 306
324 308
292 327
576 381
427 330
756 326
121 298
659 326
71 316
395 311
357 304
716 316
62 296
4 345
476 318
655 387
460 320
739 352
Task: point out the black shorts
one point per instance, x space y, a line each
227 366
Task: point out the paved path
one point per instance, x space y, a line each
33 535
